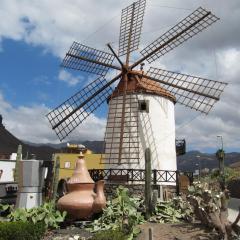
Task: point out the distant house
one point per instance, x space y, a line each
235 166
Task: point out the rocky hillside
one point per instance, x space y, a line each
194 160
189 162
9 144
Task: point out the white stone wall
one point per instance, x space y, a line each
156 131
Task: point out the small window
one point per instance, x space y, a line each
143 105
67 165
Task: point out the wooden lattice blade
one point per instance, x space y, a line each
131 27
130 139
67 116
194 92
87 59
196 22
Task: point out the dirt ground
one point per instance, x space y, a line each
181 231
66 234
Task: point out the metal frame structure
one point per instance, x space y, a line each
193 92
137 175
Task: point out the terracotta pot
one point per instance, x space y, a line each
79 201
100 200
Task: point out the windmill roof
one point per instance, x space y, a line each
138 84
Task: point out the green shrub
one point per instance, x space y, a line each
110 235
46 213
21 230
176 210
121 215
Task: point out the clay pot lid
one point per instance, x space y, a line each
80 174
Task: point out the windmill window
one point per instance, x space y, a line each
143 105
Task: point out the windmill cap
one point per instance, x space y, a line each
138 84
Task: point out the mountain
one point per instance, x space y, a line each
94 146
188 162
9 144
194 160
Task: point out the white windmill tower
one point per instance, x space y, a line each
141 108
148 123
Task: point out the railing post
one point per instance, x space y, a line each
154 176
110 174
148 181
177 183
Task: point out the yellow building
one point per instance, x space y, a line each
69 155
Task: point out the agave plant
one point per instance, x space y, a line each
120 214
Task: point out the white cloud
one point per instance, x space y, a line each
225 116
214 53
30 124
68 78
55 24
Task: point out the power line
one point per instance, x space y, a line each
172 7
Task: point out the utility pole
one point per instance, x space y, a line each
199 166
220 154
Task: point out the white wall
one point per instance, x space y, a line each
7 167
156 131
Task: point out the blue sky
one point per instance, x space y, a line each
33 44
29 74
31 77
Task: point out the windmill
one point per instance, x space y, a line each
141 107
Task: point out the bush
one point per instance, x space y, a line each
21 231
110 235
176 210
120 215
46 213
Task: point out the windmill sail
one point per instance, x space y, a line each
129 132
131 27
122 149
194 92
181 32
87 59
67 116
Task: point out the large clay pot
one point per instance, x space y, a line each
100 200
79 201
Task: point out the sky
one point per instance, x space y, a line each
35 35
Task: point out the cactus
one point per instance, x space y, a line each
210 207
56 177
16 169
